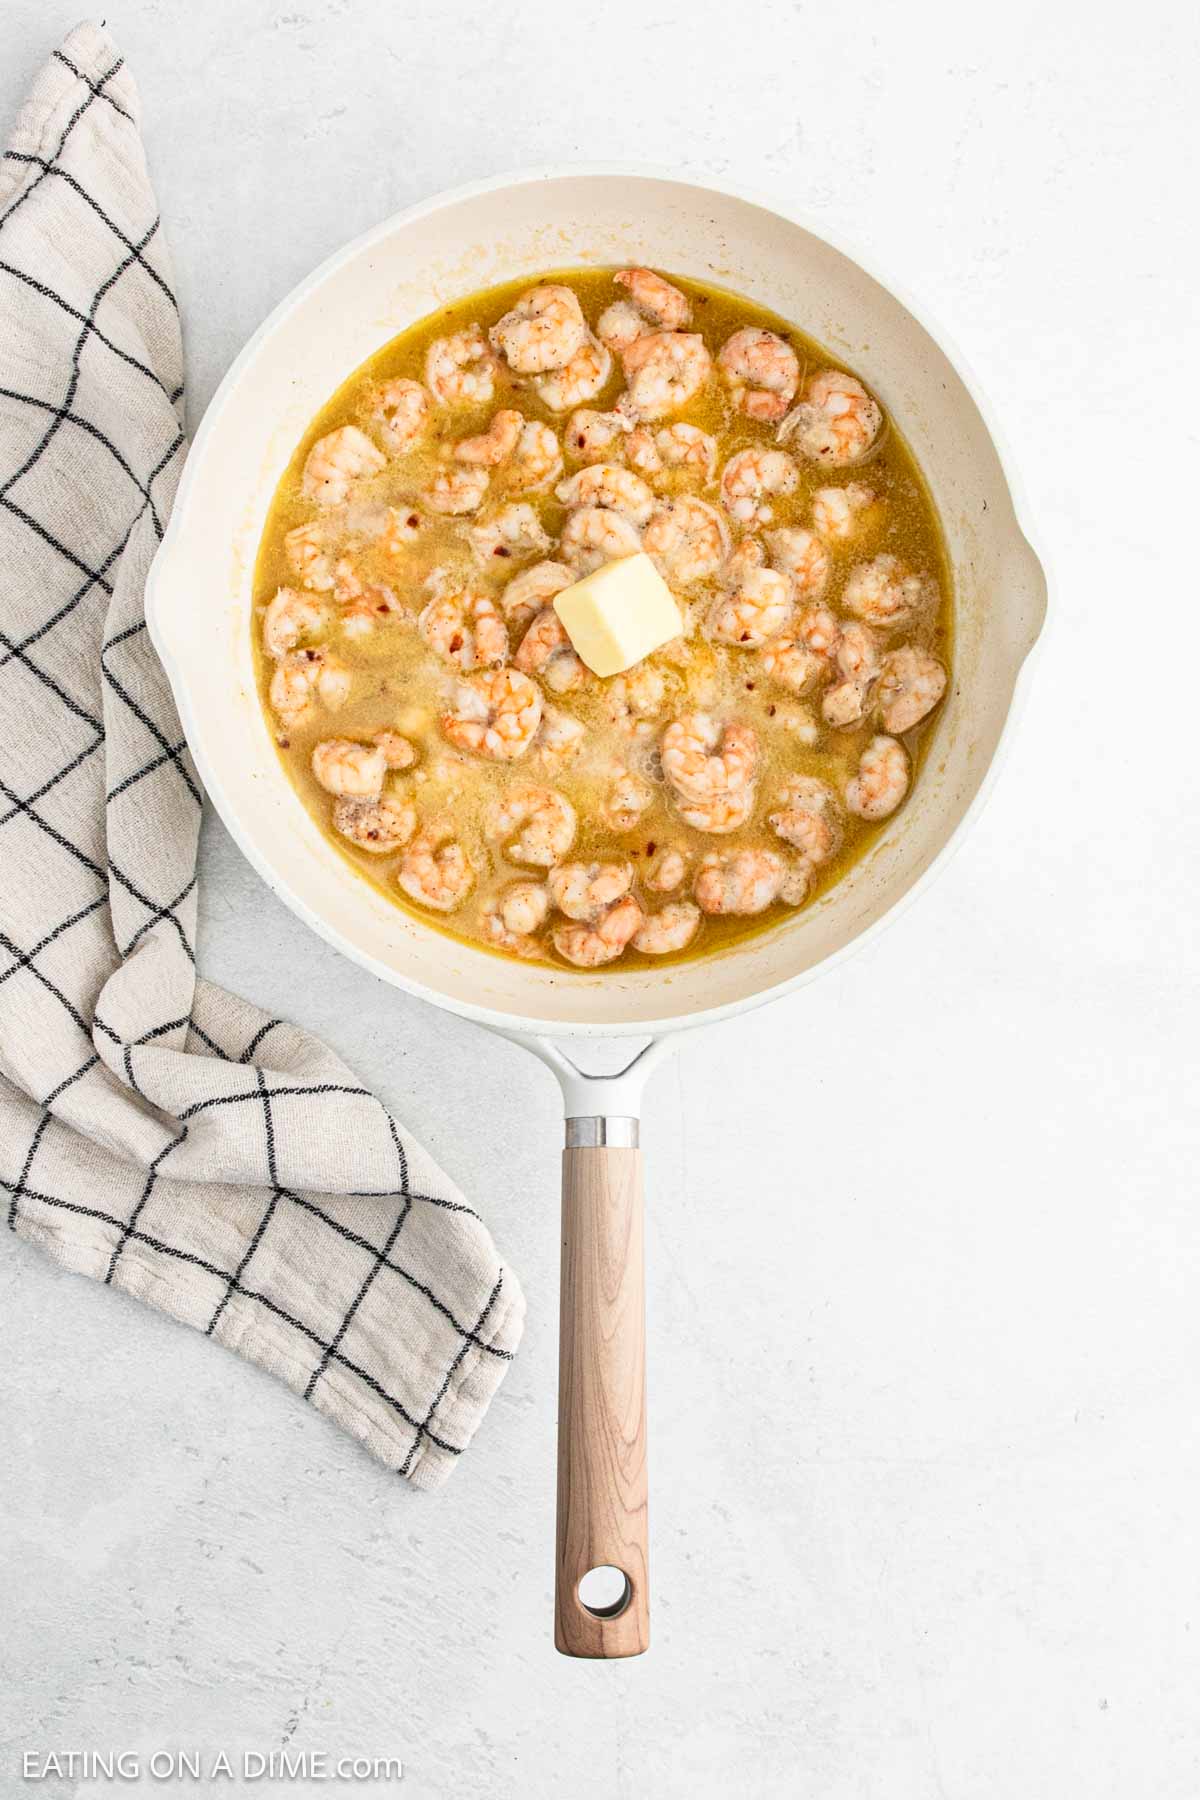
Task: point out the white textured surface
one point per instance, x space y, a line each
924 1493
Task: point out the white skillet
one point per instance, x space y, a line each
198 606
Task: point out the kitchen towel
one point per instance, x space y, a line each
157 1133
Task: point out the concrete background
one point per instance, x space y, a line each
925 1482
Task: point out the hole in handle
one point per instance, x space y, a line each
605 1591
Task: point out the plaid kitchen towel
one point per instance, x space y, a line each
155 1132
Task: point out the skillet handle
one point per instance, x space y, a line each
602 1393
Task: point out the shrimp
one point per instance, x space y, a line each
627 799
350 770
739 881
595 436
464 628
496 444
655 298
667 871
399 527
702 760
818 630
376 826
911 684
335 462
882 779
544 330
289 617
857 661
457 491
515 530
533 589
805 817
750 477
310 556
797 881
461 370
495 715
762 372
836 510
803 558
547 651
664 370
883 592
593 535
511 921
585 891
304 679
837 421
688 539
559 735
719 813
619 324
589 946
757 609
579 380
398 753
610 486
398 412
536 462
678 447
435 870
533 825
791 664
671 929
636 697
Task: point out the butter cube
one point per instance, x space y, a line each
618 614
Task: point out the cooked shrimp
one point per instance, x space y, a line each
667 870
457 491
625 802
701 759
397 412
544 330
797 881
398 753
762 372
547 651
750 477
688 539
593 535
515 530
495 715
664 371
636 697
910 685
678 447
655 298
559 736
289 617
595 436
304 679
524 905
533 589
837 421
857 662
837 510
376 826
335 462
579 380
805 817
792 664
619 324
461 370
757 608
464 628
533 825
586 890
310 555
719 813
671 929
399 527
352 771
496 444
610 486
883 592
818 630
589 946
435 870
739 881
536 462
882 779
803 558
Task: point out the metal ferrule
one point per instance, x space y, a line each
594 1132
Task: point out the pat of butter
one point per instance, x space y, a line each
618 614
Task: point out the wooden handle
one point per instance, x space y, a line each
602 1401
